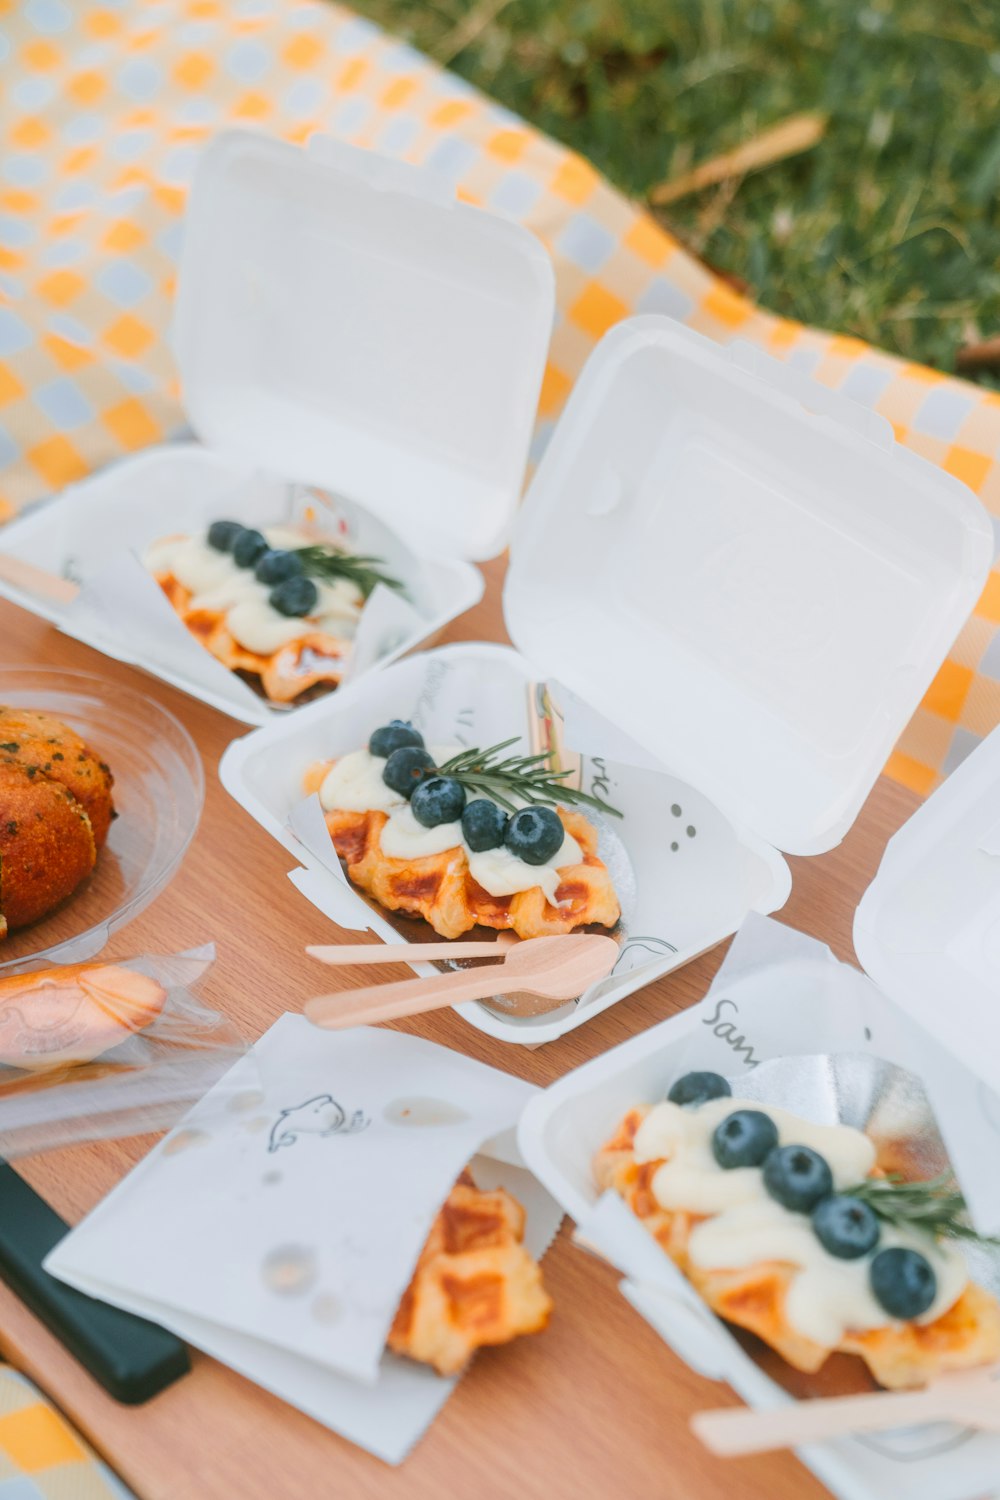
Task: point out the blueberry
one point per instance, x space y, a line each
295 596
903 1282
744 1139
393 736
798 1177
696 1088
439 799
222 535
534 834
406 768
248 547
275 565
484 825
845 1226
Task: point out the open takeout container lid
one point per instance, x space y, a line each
342 319
927 930
744 572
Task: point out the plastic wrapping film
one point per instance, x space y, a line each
90 1051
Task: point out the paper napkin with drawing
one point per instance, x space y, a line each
291 1204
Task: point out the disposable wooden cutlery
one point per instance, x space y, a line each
405 953
542 973
972 1399
38 581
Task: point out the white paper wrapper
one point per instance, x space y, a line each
388 1418
779 1000
122 602
281 1232
684 876
388 623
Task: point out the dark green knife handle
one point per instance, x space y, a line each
131 1358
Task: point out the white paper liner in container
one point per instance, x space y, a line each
84 1065
97 532
781 995
685 876
280 1236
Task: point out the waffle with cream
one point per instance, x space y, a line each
761 1267
229 611
434 874
475 1283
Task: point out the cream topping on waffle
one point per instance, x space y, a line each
829 1296
355 784
216 583
693 1179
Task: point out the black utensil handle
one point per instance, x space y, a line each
130 1357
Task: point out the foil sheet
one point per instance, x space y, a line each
885 1101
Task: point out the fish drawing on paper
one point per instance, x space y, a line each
321 1115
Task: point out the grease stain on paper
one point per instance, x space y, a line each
420 1111
245 1100
289 1270
326 1308
184 1140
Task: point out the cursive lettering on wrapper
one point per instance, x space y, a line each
600 781
726 1032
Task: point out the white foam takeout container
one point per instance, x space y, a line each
730 572
482 691
781 994
341 322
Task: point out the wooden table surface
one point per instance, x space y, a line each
596 1406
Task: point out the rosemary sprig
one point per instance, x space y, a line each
935 1207
523 776
364 572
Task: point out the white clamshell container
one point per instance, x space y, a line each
674 905
780 994
927 930
341 322
738 578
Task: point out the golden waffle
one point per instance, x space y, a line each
474 1284
440 887
899 1356
314 659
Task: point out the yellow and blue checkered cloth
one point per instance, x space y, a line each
107 107
41 1457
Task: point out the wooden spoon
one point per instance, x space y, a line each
405 953
556 968
33 580
972 1399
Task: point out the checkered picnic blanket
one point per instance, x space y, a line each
41 1457
108 105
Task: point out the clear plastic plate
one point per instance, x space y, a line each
159 789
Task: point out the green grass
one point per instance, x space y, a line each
888 229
